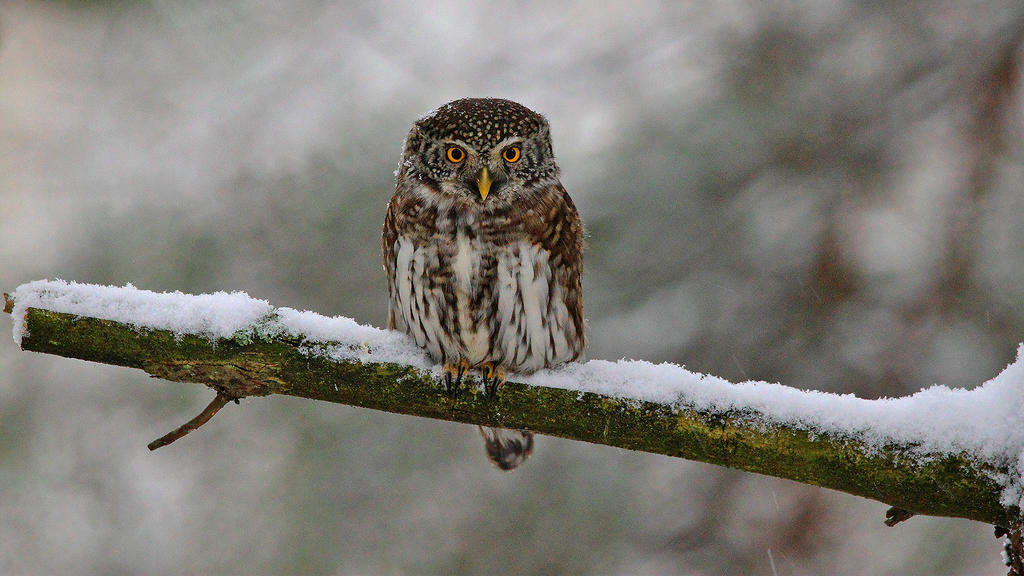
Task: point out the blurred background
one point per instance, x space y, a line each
826 194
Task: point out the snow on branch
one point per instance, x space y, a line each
942 451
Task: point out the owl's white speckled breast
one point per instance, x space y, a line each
466 265
470 285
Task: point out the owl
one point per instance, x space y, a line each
483 250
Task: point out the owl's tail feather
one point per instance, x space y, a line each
507 448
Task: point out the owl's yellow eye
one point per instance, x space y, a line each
511 154
456 154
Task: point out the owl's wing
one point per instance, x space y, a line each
387 241
559 230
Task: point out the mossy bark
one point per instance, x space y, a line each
941 485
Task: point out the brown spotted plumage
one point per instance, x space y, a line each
483 250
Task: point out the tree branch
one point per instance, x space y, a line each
218 402
957 485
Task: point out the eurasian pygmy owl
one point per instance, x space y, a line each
483 250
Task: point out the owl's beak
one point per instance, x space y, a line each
483 183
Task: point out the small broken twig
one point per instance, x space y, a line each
212 408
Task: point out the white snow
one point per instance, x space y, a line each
217 315
985 422
343 338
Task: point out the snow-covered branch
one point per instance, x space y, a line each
943 452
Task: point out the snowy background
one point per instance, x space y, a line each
826 195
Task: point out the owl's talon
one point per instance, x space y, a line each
448 388
493 378
453 374
495 384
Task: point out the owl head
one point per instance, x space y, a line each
481 150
